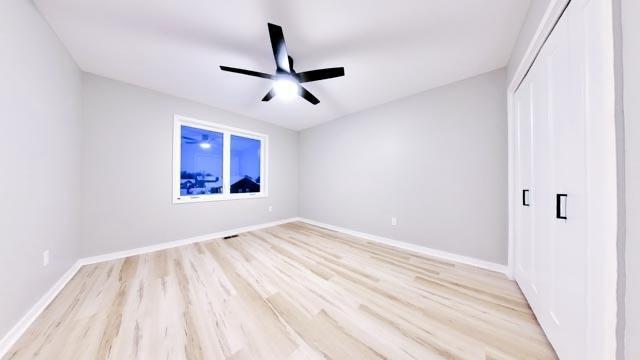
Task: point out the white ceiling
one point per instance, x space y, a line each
390 49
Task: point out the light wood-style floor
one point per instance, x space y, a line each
293 291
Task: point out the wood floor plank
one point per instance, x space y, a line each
293 291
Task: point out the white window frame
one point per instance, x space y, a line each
227 131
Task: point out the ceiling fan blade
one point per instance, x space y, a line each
279 47
320 74
304 93
291 63
269 95
247 72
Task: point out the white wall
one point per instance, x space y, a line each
437 161
127 165
40 95
536 10
631 64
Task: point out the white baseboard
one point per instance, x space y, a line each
19 329
173 244
416 248
23 324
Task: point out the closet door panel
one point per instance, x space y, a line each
567 313
542 157
524 211
571 108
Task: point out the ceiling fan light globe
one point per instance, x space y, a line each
205 145
286 89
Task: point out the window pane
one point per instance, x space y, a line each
200 161
245 165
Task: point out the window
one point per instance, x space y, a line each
245 164
201 153
214 162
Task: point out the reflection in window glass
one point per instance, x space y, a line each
200 161
245 165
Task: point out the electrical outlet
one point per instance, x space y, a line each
394 221
45 258
270 208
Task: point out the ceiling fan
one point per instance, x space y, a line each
203 143
286 81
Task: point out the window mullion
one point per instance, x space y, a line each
226 164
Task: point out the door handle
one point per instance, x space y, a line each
525 197
561 211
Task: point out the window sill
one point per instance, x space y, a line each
213 198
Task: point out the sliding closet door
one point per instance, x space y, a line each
542 71
554 273
525 185
566 310
558 105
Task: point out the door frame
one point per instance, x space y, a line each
602 282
